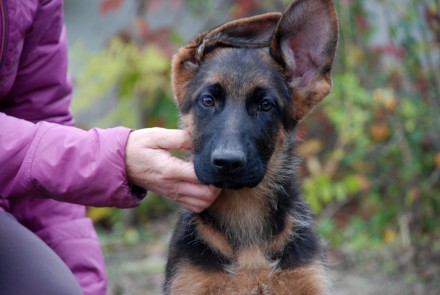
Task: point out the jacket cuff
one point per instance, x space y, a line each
137 191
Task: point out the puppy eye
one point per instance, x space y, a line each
266 105
207 100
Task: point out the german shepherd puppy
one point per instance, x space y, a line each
241 89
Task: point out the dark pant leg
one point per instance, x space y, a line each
28 266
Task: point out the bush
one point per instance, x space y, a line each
378 174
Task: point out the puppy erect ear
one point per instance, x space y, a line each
304 43
254 31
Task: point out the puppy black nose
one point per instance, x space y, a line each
228 161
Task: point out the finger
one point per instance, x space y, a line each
172 139
196 191
195 205
215 191
179 170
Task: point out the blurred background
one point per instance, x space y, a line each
370 153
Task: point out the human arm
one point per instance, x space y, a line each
94 167
47 160
42 159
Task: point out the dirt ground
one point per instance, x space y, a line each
137 269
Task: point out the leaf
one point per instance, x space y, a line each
108 6
98 214
380 132
242 8
390 50
437 160
389 235
309 147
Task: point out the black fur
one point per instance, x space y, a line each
254 134
256 127
242 88
192 248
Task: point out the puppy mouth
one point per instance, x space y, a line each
229 185
232 182
246 177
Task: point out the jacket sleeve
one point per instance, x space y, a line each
64 163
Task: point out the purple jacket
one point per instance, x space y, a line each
46 167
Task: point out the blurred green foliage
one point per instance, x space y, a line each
377 180
371 151
135 81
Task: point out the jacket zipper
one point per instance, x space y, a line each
3 25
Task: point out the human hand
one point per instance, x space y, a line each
150 165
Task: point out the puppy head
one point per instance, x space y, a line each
241 86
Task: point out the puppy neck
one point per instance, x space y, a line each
253 216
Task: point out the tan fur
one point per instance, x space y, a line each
279 241
306 280
242 213
276 164
187 122
218 242
214 239
183 70
185 61
251 260
307 98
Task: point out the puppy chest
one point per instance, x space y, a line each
249 279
